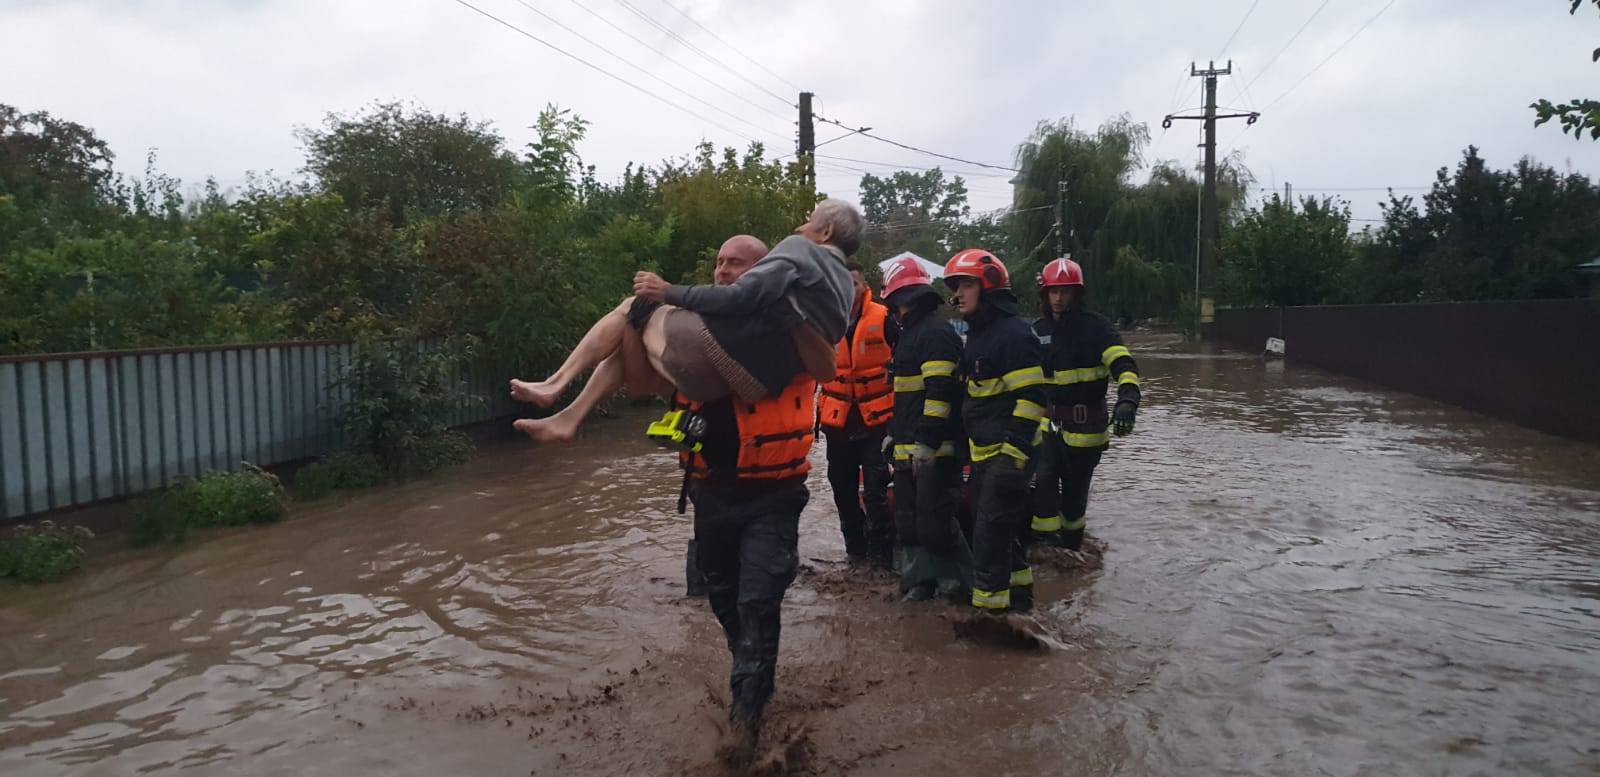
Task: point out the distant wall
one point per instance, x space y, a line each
1536 363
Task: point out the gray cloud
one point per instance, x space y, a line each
217 88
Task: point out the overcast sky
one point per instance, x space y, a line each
217 88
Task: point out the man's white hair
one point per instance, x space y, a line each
848 225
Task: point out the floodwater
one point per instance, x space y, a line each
1303 575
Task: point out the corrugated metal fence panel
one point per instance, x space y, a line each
81 428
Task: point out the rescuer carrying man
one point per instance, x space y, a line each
1082 354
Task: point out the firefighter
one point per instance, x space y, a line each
1082 354
931 555
1005 395
853 412
745 471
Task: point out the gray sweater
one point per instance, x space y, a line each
809 282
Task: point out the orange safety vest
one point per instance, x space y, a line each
775 434
861 364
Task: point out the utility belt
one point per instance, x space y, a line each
1076 415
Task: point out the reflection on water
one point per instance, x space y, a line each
1307 575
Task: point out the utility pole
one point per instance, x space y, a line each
1288 195
807 150
1061 212
1210 229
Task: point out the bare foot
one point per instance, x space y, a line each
543 393
552 429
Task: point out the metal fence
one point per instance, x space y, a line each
85 427
1534 362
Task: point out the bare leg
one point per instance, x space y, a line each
602 340
630 366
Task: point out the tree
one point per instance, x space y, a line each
1580 114
1278 255
403 160
55 178
1097 168
921 212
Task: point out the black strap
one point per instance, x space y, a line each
683 494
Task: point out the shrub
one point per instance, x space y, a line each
43 552
340 471
401 394
221 499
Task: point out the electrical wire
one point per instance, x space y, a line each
1292 39
913 167
1335 53
909 147
664 55
663 81
731 47
696 49
603 71
1250 10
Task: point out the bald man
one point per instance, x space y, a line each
737 254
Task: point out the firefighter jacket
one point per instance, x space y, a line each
861 365
1082 355
927 394
1005 385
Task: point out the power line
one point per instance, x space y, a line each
597 68
623 60
718 38
1335 53
908 147
1292 39
913 167
1236 30
696 49
664 55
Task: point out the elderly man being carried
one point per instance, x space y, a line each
748 339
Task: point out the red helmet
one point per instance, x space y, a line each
903 274
1061 272
980 264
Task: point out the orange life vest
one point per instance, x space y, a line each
775 434
862 366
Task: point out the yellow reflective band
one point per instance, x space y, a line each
1127 377
1076 440
1075 524
903 451
1114 353
935 408
992 387
938 369
1038 434
946 448
1031 411
904 383
1023 576
1025 377
1047 523
1080 375
986 452
991 600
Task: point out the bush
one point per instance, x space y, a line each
341 471
401 394
43 552
222 499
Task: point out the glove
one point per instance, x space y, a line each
1122 418
888 443
922 458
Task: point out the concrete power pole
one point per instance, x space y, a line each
807 150
1210 228
1061 213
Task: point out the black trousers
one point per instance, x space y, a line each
1000 514
859 476
934 550
1061 491
746 546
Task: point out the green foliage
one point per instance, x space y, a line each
42 552
1577 116
921 212
1278 255
338 471
401 394
251 495
402 160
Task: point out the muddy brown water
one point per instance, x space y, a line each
1303 575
